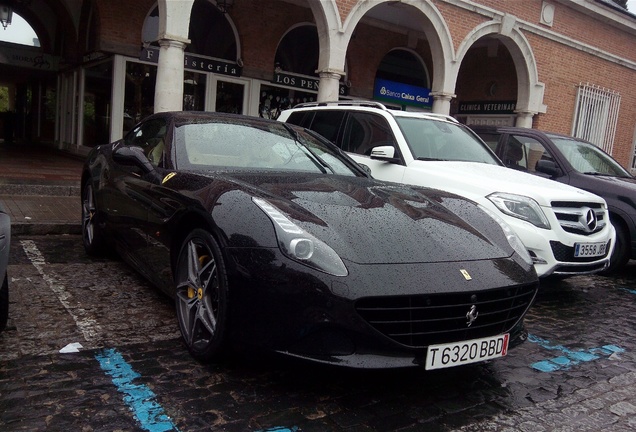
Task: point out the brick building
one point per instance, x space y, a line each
561 65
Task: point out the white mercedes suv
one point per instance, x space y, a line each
566 230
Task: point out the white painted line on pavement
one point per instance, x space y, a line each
86 324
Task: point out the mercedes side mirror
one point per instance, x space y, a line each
384 153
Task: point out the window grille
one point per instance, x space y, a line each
595 115
633 167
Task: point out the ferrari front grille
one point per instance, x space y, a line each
420 320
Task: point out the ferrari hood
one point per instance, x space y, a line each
366 221
476 180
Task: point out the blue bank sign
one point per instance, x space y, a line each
402 94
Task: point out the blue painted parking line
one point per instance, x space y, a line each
570 358
631 291
139 398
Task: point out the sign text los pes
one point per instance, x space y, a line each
301 82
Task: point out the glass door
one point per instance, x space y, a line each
229 96
194 91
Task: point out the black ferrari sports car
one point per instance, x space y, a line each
266 234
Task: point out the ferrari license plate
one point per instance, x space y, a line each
589 249
465 352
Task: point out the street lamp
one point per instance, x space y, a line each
224 5
6 14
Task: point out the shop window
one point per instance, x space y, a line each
276 99
193 91
97 104
229 97
139 97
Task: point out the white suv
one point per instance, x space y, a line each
566 230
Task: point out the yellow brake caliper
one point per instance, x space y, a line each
199 291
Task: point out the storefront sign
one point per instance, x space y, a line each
487 107
29 59
402 94
303 82
95 56
196 63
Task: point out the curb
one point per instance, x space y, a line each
41 190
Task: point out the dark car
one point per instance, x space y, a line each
578 163
5 240
266 234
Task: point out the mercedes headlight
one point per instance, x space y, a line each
299 245
521 207
511 236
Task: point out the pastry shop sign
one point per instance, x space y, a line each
196 63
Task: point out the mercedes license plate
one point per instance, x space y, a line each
589 249
465 352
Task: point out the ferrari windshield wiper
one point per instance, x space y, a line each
317 160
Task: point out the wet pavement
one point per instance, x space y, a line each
132 372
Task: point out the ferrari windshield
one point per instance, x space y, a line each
245 145
431 139
587 158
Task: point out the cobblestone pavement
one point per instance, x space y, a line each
576 373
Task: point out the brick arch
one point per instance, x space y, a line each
437 34
529 89
184 30
53 25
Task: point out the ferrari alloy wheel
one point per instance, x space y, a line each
91 234
201 296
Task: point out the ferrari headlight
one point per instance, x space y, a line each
301 246
511 236
521 207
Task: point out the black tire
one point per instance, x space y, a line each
4 303
622 250
202 296
92 236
